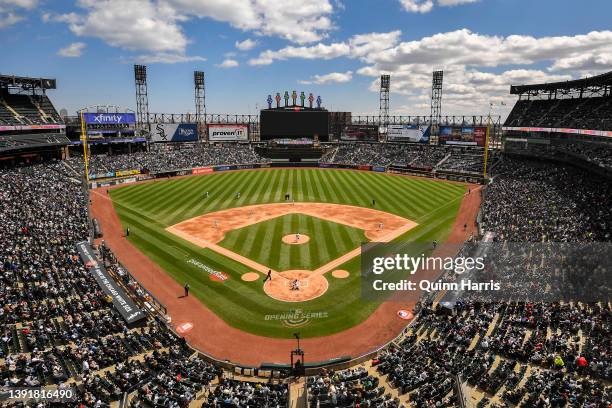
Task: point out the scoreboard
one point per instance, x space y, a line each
294 123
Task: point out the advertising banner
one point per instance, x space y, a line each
228 133
463 135
480 135
408 133
606 133
174 132
109 118
360 133
30 127
121 173
224 168
122 302
201 170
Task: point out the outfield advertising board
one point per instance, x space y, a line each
201 170
408 133
174 132
218 132
463 135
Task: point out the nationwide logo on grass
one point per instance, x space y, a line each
296 318
212 273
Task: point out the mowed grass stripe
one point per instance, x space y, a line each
167 189
189 197
354 195
244 305
253 187
433 192
263 184
327 187
394 192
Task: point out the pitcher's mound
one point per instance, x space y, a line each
250 276
340 274
292 239
296 286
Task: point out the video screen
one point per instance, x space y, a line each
276 124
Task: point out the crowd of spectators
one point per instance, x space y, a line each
57 327
232 393
173 158
600 154
385 154
348 388
532 355
573 113
536 201
590 153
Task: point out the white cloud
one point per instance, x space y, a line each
246 45
417 6
155 26
132 25
475 65
228 63
10 9
8 19
333 77
455 2
293 20
356 46
25 4
166 58
425 6
72 50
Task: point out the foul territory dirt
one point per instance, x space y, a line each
216 338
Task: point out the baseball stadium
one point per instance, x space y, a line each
283 258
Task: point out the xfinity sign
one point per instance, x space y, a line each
109 118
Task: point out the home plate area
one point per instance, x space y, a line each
296 286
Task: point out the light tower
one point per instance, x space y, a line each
142 98
200 100
383 115
436 103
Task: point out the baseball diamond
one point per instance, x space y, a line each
174 222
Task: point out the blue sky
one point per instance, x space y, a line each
333 48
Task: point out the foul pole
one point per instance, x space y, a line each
486 146
84 142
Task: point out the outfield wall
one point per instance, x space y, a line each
110 181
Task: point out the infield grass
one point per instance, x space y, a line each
149 208
262 242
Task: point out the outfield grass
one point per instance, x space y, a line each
149 208
262 242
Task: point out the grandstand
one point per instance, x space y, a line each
23 102
566 121
29 123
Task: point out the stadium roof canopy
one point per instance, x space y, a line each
26 83
602 82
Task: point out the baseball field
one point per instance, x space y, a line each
223 232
